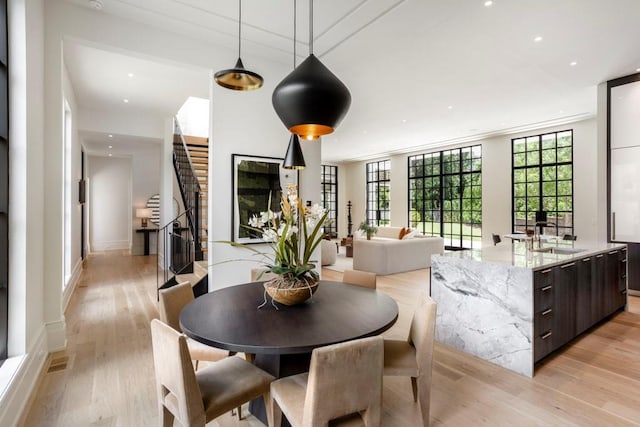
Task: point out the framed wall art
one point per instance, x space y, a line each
255 179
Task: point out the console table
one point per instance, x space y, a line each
146 232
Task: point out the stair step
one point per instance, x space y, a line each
200 267
193 278
196 140
197 148
200 167
200 154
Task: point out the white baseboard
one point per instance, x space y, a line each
56 335
111 246
26 373
70 288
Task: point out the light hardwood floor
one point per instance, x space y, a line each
105 377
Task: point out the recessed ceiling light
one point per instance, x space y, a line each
404 120
126 101
110 155
638 70
111 146
573 63
130 74
110 135
537 39
561 111
450 107
488 3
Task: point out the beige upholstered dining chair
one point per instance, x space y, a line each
413 358
172 301
360 278
195 398
344 382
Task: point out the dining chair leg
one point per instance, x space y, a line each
414 388
167 417
276 413
196 368
268 404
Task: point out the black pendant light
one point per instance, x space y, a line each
311 101
238 78
294 158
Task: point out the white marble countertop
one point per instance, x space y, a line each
517 255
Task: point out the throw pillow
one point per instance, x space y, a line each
410 234
402 233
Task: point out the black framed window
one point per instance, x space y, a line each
445 195
4 182
329 198
378 193
543 181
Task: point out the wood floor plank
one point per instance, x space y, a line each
105 376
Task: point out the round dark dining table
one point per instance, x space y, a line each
282 339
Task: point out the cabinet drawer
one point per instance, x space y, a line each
542 278
543 298
543 321
542 344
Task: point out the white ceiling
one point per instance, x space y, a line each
407 61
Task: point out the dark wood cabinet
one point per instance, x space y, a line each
572 297
564 304
611 292
585 299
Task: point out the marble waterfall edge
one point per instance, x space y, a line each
486 310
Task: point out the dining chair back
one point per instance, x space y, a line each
360 278
496 239
177 389
414 357
172 301
195 398
344 380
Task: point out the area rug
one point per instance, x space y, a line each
342 262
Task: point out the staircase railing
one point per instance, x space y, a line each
189 187
178 250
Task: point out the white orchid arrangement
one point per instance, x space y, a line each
293 234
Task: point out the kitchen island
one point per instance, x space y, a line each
513 306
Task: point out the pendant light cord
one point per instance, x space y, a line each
310 27
239 24
295 16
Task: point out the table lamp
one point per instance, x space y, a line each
143 214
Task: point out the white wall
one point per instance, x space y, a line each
496 184
109 203
75 175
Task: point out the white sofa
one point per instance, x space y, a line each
386 254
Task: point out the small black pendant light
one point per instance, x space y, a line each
311 101
238 78
294 158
